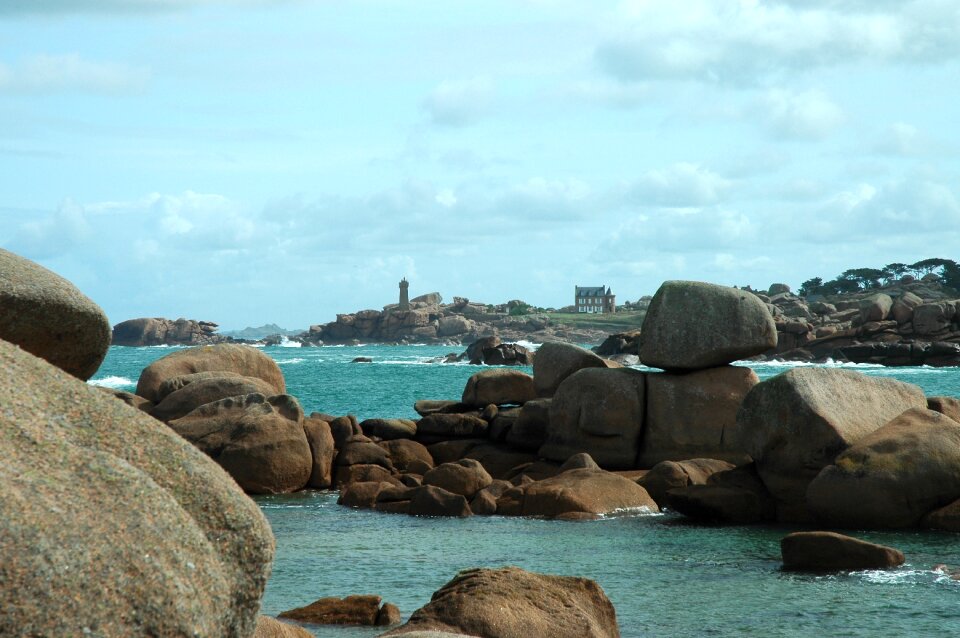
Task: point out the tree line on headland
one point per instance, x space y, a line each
945 271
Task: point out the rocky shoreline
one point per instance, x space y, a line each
116 476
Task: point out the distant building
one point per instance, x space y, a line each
404 294
594 299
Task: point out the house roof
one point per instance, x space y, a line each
591 291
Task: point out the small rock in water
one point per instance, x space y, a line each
352 610
362 360
828 551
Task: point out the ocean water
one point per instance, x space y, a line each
664 576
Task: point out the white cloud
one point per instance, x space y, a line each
801 115
747 41
904 140
680 185
70 72
459 103
611 93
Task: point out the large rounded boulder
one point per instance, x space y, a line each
222 357
510 602
691 325
113 524
694 415
46 315
260 441
892 477
796 423
556 361
598 411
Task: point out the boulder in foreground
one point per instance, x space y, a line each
110 521
692 325
46 315
828 551
510 602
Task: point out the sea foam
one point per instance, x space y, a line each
116 383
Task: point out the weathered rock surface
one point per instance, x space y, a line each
668 475
510 603
828 551
259 441
440 427
498 386
893 476
322 450
556 361
529 431
430 500
692 325
75 460
694 415
48 316
735 496
948 406
796 423
351 610
600 412
408 456
268 627
389 429
465 477
224 357
200 392
583 491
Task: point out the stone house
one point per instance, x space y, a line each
594 299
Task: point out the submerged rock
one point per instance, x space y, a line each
828 551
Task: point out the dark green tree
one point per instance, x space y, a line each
810 287
951 275
863 277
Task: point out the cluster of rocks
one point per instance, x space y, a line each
159 332
428 320
907 323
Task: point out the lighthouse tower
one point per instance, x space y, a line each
404 294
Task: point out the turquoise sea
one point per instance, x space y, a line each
665 577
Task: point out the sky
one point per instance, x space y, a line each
255 161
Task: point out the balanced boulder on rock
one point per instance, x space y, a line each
691 325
